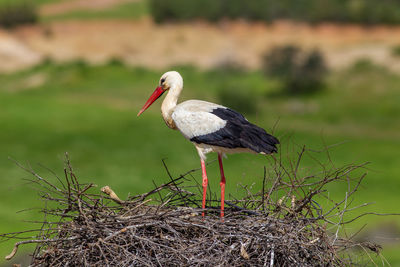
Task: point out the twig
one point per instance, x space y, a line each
16 245
271 263
107 190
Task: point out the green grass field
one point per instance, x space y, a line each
90 112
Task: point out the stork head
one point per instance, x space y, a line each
170 80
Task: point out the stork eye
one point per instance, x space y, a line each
162 80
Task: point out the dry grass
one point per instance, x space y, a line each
282 225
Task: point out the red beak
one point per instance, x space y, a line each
156 94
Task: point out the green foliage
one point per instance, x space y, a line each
396 51
233 93
18 13
181 10
115 61
229 68
299 71
362 65
356 11
238 98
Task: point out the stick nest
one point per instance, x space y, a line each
282 225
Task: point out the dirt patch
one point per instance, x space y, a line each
31 82
144 43
15 54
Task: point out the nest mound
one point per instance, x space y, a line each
283 226
180 237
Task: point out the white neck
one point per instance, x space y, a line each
169 104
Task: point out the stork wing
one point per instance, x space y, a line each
216 125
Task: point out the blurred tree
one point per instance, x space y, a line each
359 11
13 14
300 72
237 98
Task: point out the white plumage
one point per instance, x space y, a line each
194 118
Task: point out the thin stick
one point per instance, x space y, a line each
16 245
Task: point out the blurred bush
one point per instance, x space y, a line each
232 92
396 51
299 71
17 13
362 65
238 98
228 67
355 11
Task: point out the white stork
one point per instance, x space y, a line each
210 127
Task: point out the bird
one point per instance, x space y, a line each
210 127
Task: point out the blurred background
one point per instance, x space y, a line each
74 73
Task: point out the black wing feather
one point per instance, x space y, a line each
238 133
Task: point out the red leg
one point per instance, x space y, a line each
222 184
205 182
